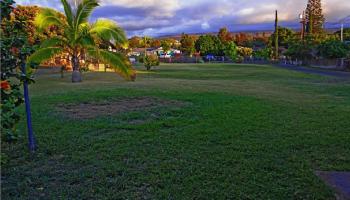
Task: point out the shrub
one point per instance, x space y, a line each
333 49
245 51
265 53
150 61
231 51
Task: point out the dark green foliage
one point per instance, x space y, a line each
333 49
285 37
209 44
231 50
265 53
300 50
150 61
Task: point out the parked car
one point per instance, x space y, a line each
165 56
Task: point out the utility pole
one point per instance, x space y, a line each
276 36
303 23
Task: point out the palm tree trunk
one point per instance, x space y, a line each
76 75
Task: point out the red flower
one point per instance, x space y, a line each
14 50
5 85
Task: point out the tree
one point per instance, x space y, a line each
27 14
314 17
285 37
333 49
346 34
243 39
80 38
187 44
209 44
166 45
146 42
301 50
231 50
135 42
156 43
224 35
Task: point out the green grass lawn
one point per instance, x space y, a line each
243 132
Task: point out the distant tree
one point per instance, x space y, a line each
166 45
314 17
285 37
346 34
187 44
243 39
231 50
156 43
302 50
209 44
224 35
333 49
135 42
146 42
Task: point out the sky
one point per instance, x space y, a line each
168 17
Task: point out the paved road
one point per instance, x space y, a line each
322 72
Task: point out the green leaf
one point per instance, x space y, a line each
46 18
108 30
68 12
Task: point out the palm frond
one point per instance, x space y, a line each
108 30
120 64
46 18
88 41
53 42
69 13
84 10
42 55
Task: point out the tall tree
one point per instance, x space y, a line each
80 38
276 35
314 17
187 44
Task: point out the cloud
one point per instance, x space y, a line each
155 17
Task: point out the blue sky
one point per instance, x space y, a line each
165 17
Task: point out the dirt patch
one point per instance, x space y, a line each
339 181
92 110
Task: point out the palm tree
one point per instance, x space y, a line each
80 37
